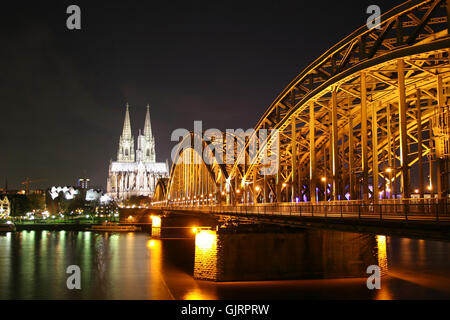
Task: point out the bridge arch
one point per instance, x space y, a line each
160 194
197 176
359 119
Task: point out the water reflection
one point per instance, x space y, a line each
382 253
305 254
156 282
199 294
135 266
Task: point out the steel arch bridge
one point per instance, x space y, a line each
353 125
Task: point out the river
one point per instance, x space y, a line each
134 266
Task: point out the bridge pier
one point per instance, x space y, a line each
305 254
156 227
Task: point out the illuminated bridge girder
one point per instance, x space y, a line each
374 83
353 125
197 177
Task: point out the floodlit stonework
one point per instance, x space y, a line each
136 172
5 207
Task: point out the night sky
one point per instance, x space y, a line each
63 92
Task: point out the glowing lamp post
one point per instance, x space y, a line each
324 180
389 171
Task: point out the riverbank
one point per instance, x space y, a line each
78 224
53 227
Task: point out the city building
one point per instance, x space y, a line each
136 172
84 183
5 207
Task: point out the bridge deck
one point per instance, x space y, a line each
392 211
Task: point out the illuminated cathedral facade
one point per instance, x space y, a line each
136 172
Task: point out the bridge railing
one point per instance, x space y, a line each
400 209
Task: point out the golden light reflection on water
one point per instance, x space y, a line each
382 254
384 293
157 286
150 243
159 268
197 294
421 261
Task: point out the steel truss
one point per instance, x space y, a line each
353 125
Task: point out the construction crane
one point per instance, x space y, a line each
28 181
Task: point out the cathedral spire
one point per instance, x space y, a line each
126 133
126 142
147 125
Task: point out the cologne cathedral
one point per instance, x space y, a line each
136 172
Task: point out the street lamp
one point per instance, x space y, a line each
389 171
324 180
